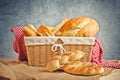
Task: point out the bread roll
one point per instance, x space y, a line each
45 31
81 27
53 65
58 61
62 59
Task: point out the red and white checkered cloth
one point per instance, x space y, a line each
97 51
97 56
18 43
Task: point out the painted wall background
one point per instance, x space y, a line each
51 12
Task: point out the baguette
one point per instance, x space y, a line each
57 28
45 31
29 31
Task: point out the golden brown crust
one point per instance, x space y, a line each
45 31
53 65
57 28
75 55
70 63
31 26
81 27
83 68
66 58
28 31
90 30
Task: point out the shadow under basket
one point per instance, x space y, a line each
40 50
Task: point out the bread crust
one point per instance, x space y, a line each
28 31
58 27
83 68
66 58
53 65
44 31
80 27
90 30
70 63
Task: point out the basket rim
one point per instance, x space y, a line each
54 40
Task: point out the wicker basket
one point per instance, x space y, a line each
39 49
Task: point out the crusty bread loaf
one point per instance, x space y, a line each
66 58
83 68
81 27
90 30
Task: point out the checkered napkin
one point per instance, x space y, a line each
18 43
97 51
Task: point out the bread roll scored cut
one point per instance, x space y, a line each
75 26
90 30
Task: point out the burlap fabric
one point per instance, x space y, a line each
13 69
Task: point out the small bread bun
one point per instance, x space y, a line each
81 27
45 31
28 31
62 59
53 65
